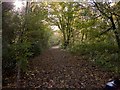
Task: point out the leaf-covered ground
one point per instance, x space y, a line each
56 68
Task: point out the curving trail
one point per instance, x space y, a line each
56 68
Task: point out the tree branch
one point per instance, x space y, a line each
106 30
116 14
101 10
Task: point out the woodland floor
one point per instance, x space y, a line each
56 68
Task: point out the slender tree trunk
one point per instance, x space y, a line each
24 28
64 40
73 37
116 33
82 37
18 75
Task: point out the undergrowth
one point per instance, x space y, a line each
103 54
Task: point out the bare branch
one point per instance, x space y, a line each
101 10
106 30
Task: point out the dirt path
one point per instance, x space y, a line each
58 68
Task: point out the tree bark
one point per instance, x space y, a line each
115 32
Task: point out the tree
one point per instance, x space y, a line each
25 35
107 11
64 16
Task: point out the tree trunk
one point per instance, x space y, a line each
82 37
116 33
24 28
18 75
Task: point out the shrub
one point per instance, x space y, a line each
104 54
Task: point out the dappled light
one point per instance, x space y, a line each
61 45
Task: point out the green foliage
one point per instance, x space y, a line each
81 26
104 54
101 48
91 47
62 14
27 35
55 38
24 36
107 60
8 62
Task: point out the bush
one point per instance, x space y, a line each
8 61
104 54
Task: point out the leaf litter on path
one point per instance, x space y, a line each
56 68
